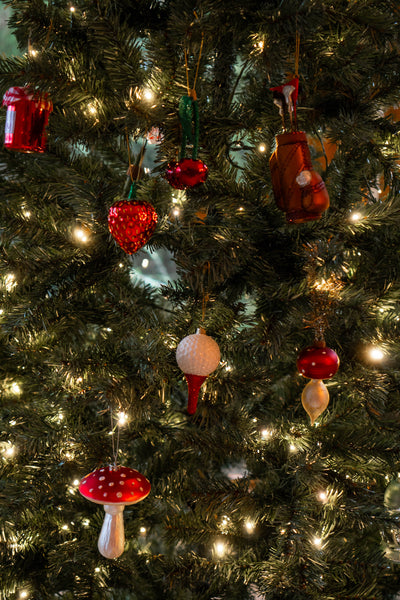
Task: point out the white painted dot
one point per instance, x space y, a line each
138 479
313 364
102 478
84 481
105 494
141 489
91 490
323 352
119 494
330 374
303 370
123 475
121 482
100 487
111 484
101 470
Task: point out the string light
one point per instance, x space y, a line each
145 263
92 109
65 527
225 521
317 542
376 354
80 234
10 451
122 419
23 594
72 9
27 213
355 216
148 94
97 570
266 433
262 148
75 482
219 548
250 526
176 212
143 530
33 52
1 311
292 448
121 265
10 282
323 496
15 388
85 522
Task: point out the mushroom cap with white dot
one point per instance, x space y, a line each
113 477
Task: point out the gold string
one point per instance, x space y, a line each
198 62
129 155
297 54
187 72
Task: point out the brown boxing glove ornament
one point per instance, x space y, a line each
298 189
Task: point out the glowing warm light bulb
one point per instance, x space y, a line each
65 527
376 354
145 263
142 530
33 52
355 216
323 496
80 234
97 570
72 9
27 213
219 548
260 45
225 521
10 451
148 94
75 482
292 448
266 433
317 541
122 419
85 522
1 311
175 212
9 281
92 109
250 526
262 148
23 594
15 389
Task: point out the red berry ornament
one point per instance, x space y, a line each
318 362
115 487
131 224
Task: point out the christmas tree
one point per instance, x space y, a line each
285 252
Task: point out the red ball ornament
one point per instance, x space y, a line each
27 116
131 224
318 362
172 178
186 173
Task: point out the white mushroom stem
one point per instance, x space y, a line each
112 537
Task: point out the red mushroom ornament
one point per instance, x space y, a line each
197 355
316 362
115 487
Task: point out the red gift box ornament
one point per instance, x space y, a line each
317 362
27 116
132 222
188 172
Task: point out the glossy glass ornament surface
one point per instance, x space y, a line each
26 120
315 399
186 173
318 362
131 223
